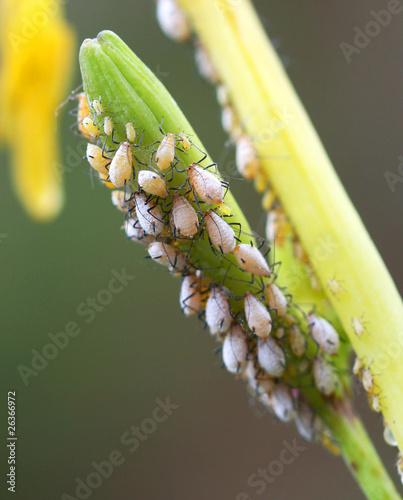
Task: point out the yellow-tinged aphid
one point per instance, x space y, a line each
257 316
367 380
83 112
97 107
152 183
268 200
205 184
130 132
166 152
374 402
246 158
335 287
97 159
108 125
358 366
184 218
251 260
90 127
358 326
105 182
121 167
185 142
220 233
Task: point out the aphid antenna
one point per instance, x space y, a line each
71 97
140 141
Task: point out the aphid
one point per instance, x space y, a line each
206 185
97 107
167 255
218 316
172 20
105 182
235 349
130 132
118 201
108 125
374 402
389 437
307 423
152 183
190 298
135 233
149 215
297 341
251 260
91 127
121 168
204 64
282 403
358 366
257 316
246 158
185 142
279 333
258 379
335 287
220 233
166 152
184 217
367 380
97 159
358 326
83 112
228 119
324 376
324 334
303 366
222 95
276 299
270 356
399 465
268 200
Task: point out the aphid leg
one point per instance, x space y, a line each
140 141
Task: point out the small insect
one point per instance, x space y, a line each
307 423
118 201
167 255
358 326
91 127
282 403
220 233
399 465
259 380
83 112
172 20
251 260
374 402
204 64
270 356
190 298
97 159
257 316
235 349
104 178
121 168
228 119
108 125
222 95
279 333
268 200
205 184
277 226
358 366
218 316
335 287
149 215
166 152
276 299
324 376
130 132
389 437
246 157
367 380
297 341
97 107
185 142
152 183
135 233
324 334
184 218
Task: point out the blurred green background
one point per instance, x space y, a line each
140 347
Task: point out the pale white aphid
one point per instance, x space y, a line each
218 316
130 132
228 119
335 287
152 183
374 402
307 423
358 366
222 95
324 376
276 299
166 152
108 125
121 167
184 217
257 316
91 127
97 159
220 233
389 437
172 20
135 233
167 255
190 298
205 184
235 349
282 403
258 379
251 260
324 334
246 157
97 107
297 341
367 380
358 326
270 356
149 215
204 64
185 143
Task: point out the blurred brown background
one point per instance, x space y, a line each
139 347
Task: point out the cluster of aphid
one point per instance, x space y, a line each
264 338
